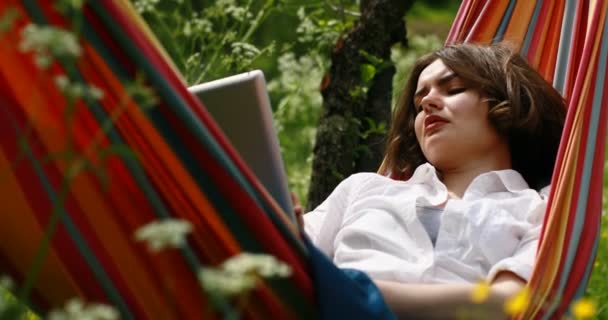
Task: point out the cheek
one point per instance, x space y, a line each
418 126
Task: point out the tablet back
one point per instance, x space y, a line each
240 106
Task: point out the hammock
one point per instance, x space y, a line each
178 164
567 42
183 168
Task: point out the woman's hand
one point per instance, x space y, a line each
297 210
449 301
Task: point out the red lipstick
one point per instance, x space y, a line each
433 122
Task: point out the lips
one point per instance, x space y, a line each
433 122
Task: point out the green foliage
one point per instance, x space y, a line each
598 286
432 17
298 101
368 71
373 128
435 12
208 41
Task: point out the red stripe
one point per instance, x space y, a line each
454 36
576 45
540 30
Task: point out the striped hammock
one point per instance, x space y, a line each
65 163
567 42
91 171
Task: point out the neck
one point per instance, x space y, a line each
458 179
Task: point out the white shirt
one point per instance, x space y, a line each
369 223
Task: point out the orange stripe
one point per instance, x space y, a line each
487 23
548 51
18 225
519 22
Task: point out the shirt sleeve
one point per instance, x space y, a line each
322 224
522 261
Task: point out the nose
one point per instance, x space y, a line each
431 102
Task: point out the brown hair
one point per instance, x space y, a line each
522 107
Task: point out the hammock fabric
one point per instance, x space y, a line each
66 161
183 168
567 42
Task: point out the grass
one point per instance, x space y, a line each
598 284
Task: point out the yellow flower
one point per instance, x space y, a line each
481 291
518 303
605 234
596 264
584 308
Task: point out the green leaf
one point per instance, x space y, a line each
368 72
374 60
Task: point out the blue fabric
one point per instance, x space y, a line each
345 293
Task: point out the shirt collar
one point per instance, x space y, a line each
486 183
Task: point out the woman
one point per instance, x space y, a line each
474 136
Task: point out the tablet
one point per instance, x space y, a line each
240 106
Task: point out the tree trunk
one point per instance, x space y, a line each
357 97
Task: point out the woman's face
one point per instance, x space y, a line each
452 124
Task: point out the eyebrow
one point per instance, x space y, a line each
441 81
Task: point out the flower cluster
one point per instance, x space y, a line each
239 274
197 25
48 43
169 233
75 309
143 6
243 50
239 13
74 90
314 29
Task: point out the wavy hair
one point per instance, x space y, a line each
522 107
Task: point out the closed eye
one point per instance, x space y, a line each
456 90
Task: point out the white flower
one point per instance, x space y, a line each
239 13
239 274
197 26
49 43
245 50
225 3
265 265
75 309
143 6
77 90
222 283
162 234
